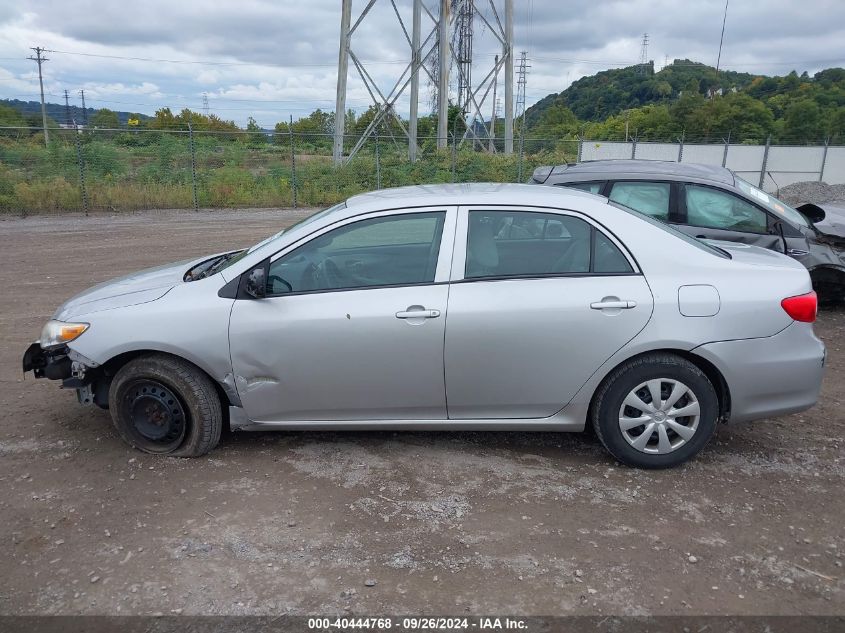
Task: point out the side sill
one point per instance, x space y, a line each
571 418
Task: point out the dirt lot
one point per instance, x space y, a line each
458 523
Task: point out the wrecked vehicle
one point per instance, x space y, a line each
711 202
498 307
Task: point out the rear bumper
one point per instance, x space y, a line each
771 376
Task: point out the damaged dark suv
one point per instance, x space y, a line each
711 202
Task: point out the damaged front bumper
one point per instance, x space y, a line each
74 370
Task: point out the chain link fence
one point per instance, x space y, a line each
118 170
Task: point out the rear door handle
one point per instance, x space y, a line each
418 314
613 305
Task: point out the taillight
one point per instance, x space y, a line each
801 308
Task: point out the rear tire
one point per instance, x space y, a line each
164 405
640 433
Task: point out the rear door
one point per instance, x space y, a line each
539 299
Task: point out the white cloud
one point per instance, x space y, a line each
272 59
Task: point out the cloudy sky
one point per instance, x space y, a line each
276 58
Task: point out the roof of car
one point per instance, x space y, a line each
470 193
663 168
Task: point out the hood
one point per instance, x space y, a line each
139 287
829 219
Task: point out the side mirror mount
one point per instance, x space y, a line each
812 212
255 283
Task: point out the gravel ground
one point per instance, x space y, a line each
811 191
459 523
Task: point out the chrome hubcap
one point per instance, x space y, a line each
659 416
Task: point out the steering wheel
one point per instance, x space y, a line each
271 282
330 273
321 276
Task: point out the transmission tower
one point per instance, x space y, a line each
520 102
432 55
464 11
205 103
521 77
644 53
39 59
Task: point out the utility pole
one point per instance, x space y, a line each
416 62
443 76
342 67
205 104
84 111
68 120
40 60
508 53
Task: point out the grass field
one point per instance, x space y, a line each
127 171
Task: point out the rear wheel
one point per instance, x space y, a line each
162 404
656 411
829 284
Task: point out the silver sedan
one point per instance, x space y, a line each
505 307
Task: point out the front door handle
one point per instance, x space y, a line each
418 314
613 305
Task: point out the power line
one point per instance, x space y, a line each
215 63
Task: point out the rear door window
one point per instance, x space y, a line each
651 198
590 187
534 244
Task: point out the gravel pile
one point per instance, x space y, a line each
811 191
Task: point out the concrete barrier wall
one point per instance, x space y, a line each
784 165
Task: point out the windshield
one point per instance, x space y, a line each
710 248
771 203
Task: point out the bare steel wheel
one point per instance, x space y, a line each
659 416
163 404
157 418
655 411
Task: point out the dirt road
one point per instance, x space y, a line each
458 523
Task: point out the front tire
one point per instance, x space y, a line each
655 411
163 405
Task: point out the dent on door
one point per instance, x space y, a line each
348 355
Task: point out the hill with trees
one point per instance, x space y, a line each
692 99
56 113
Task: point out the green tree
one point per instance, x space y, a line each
256 134
803 122
105 119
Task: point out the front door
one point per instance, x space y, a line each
353 324
715 214
543 300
